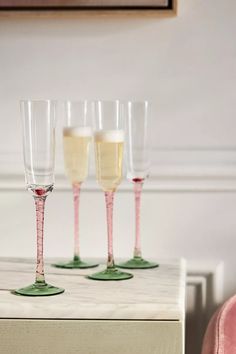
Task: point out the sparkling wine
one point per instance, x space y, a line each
76 152
109 157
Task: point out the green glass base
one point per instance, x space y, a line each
75 264
41 289
138 263
110 274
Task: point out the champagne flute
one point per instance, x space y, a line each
39 153
109 141
138 163
77 137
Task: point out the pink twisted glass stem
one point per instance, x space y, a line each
39 204
138 184
109 197
76 195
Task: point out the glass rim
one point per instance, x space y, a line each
138 101
37 101
76 101
107 101
121 101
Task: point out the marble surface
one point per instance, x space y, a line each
157 294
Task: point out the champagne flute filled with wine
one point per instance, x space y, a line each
77 137
109 143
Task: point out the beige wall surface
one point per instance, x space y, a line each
184 65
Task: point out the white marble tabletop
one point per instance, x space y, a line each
155 294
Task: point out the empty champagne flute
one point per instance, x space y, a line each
138 163
109 141
39 118
77 138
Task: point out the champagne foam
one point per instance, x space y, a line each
111 136
77 131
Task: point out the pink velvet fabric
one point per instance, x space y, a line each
220 336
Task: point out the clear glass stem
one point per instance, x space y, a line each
137 194
76 194
40 204
109 197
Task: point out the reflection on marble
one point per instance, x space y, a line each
152 294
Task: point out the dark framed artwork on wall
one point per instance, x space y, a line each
88 5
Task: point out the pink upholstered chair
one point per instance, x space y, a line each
220 336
